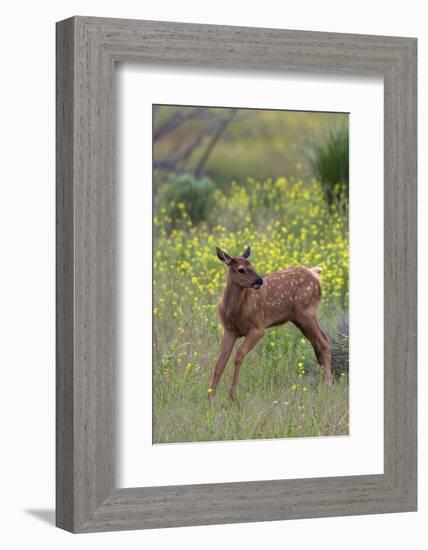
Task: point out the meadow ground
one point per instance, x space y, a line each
280 392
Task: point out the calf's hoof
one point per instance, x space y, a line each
211 393
232 395
328 381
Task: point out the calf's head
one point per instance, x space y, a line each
241 272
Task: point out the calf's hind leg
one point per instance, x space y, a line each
310 327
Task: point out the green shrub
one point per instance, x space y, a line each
185 193
330 164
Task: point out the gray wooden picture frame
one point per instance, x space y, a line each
87 51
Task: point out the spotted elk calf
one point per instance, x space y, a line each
250 304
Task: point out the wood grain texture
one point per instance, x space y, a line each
64 277
87 49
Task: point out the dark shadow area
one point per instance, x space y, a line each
44 514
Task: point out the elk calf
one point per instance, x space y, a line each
250 304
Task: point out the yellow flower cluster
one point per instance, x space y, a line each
287 223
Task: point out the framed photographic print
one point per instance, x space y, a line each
236 274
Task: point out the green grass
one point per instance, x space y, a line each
281 393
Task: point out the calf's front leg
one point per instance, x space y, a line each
247 345
229 339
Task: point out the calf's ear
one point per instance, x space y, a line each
247 252
223 256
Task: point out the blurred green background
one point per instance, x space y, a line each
233 144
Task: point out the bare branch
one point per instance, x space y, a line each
176 120
212 143
187 151
173 162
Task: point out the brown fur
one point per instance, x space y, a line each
247 311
